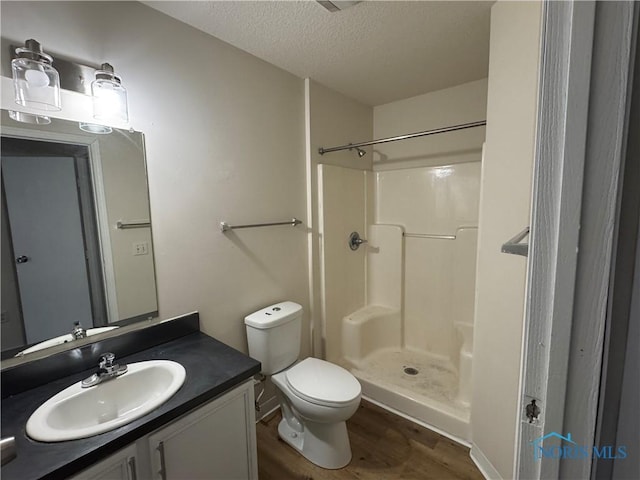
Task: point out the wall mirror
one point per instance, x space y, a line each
76 233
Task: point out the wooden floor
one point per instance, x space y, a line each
384 446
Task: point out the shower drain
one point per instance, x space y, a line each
411 371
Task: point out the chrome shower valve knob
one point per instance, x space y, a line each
355 241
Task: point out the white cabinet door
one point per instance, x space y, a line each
217 441
119 466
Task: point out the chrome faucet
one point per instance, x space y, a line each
78 332
106 371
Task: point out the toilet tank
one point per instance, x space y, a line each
273 334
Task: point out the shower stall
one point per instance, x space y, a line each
398 310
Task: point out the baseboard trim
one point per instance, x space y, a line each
419 422
484 465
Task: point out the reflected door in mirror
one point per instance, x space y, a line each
45 224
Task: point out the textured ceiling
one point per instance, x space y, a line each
374 52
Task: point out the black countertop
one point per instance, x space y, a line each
212 369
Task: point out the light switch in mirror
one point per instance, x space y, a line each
76 231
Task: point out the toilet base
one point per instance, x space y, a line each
324 444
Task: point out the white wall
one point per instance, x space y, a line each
429 200
225 142
384 265
127 199
451 106
434 201
431 185
331 120
342 193
504 211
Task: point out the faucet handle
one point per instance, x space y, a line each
107 370
106 360
78 332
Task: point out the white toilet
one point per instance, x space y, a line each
316 397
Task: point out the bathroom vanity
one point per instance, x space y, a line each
205 430
216 440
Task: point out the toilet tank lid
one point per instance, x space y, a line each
273 315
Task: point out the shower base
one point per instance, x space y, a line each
417 384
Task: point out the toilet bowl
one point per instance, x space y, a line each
317 397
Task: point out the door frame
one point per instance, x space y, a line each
617 402
580 139
100 202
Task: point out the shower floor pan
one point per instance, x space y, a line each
417 384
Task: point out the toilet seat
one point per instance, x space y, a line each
323 383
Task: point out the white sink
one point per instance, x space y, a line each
52 342
78 412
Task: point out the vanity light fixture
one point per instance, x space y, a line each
109 96
35 82
95 128
25 117
37 85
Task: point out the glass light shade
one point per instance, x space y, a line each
95 128
29 118
109 97
35 82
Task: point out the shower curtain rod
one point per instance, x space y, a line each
435 131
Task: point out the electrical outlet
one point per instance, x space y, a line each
141 248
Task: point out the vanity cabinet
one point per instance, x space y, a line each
214 441
121 465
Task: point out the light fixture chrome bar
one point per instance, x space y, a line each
225 227
121 225
514 247
427 235
435 131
